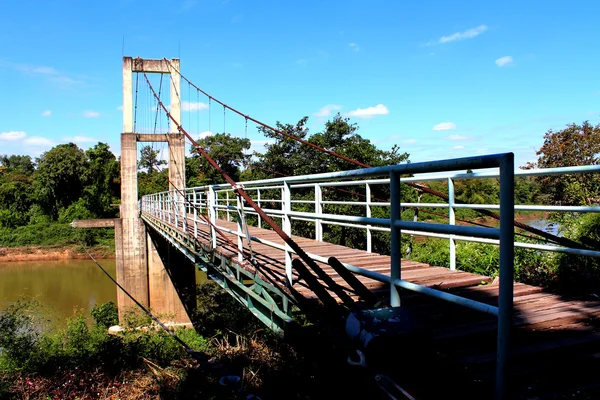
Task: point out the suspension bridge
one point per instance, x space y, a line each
438 331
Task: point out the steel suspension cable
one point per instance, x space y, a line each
546 235
238 189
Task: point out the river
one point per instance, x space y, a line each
62 288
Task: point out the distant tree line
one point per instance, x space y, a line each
67 183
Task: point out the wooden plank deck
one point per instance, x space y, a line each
556 340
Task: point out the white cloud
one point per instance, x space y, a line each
369 112
354 46
186 106
81 139
91 114
46 113
13 135
457 137
49 73
458 147
205 134
38 141
468 34
504 61
409 141
259 145
120 108
444 126
327 110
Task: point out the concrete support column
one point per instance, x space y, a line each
165 300
132 273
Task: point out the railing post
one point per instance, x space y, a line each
212 214
369 234
184 209
240 229
505 299
175 199
258 202
451 221
159 207
286 206
318 211
395 237
195 211
227 206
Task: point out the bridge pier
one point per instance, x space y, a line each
146 267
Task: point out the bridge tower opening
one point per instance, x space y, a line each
147 267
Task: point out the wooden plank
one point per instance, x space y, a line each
94 223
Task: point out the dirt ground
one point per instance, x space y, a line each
41 253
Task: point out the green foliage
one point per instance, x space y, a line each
574 145
102 182
149 160
472 257
67 184
218 312
60 177
27 347
19 337
105 314
17 164
153 183
227 151
580 274
54 234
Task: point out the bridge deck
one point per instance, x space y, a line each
556 341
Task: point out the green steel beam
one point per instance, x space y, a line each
258 296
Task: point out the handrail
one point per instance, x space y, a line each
213 199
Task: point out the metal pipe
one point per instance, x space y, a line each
395 237
505 299
451 221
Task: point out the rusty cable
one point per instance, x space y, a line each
546 235
240 190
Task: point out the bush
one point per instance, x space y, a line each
218 312
26 347
580 274
106 314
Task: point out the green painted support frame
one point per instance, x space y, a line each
263 299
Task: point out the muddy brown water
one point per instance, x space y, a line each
62 288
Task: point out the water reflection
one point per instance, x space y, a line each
62 287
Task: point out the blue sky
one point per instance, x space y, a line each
441 79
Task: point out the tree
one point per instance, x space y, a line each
102 181
288 157
60 178
149 159
20 164
227 151
574 145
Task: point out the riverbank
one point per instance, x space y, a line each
53 253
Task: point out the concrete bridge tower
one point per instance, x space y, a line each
147 267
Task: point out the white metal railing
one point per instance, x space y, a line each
282 194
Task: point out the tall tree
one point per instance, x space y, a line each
16 163
227 151
574 145
103 183
149 159
60 177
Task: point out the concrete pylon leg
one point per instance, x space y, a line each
132 270
144 269
170 292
